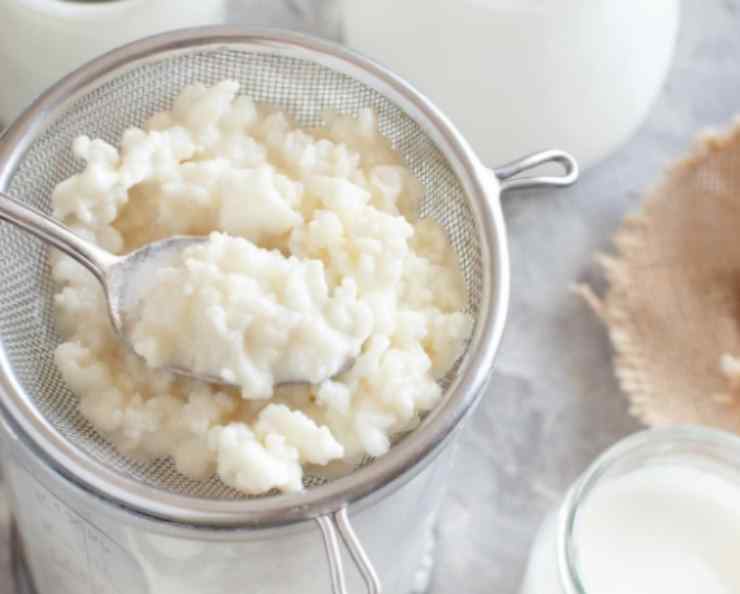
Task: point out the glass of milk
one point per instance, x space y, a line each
42 40
658 513
521 75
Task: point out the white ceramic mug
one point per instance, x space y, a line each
517 75
42 40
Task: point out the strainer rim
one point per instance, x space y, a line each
404 460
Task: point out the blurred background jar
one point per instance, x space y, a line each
657 513
321 18
520 75
42 40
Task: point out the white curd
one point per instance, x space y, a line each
250 316
324 261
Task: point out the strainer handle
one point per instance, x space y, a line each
52 232
506 173
338 523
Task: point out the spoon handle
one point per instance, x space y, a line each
52 232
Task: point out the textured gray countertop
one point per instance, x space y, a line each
554 403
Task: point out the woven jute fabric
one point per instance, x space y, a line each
672 306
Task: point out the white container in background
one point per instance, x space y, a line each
659 513
520 75
42 40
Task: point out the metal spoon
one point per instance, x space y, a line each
123 278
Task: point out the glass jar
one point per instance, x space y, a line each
70 540
521 75
42 40
658 512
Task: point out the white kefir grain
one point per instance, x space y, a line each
315 257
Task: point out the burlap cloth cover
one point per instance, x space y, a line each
673 303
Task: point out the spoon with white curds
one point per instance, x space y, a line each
124 278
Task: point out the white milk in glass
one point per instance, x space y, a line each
520 75
664 526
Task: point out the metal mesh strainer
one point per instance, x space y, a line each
304 77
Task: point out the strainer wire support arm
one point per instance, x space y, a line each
335 527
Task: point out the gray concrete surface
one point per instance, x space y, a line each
554 404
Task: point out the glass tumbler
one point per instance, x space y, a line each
577 548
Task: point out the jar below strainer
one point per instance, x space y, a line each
53 447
